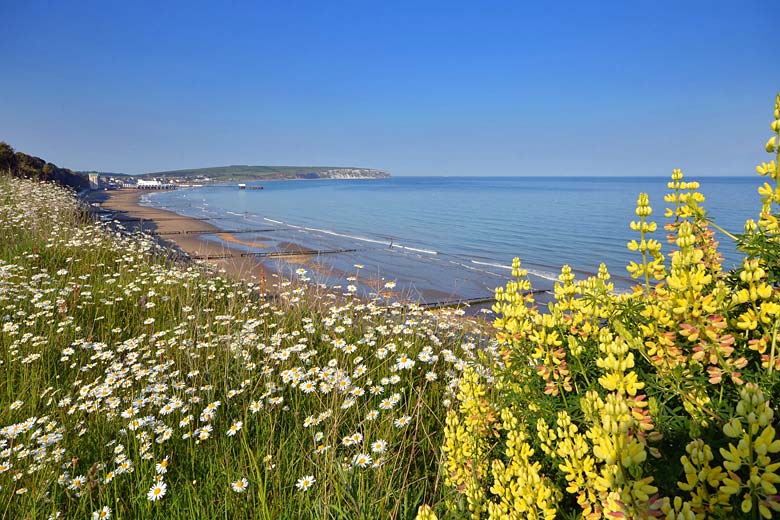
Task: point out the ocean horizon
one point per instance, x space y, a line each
452 238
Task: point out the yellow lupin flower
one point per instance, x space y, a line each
691 335
425 513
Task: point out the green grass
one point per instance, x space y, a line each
99 331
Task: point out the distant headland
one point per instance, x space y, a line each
252 173
230 174
244 173
22 165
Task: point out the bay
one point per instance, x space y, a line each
443 238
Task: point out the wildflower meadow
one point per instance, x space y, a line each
136 385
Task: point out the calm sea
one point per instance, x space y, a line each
443 238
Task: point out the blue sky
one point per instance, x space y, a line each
415 88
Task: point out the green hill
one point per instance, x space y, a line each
249 173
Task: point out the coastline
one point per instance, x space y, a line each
266 261
185 234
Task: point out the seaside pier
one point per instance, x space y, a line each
153 185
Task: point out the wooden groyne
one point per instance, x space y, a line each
275 254
471 301
211 232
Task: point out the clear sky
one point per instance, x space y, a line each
415 88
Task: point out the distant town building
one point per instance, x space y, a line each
154 184
94 181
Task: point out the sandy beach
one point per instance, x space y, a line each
186 234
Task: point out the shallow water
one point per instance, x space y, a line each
445 238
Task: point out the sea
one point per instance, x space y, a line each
445 239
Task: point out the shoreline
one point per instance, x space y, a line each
225 251
185 234
188 235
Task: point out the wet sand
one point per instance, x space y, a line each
184 233
229 237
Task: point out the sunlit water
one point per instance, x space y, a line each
452 237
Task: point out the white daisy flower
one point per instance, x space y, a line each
162 467
379 446
234 428
306 482
157 491
402 421
240 485
362 460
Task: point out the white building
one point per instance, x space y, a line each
94 181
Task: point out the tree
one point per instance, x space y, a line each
49 170
7 158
